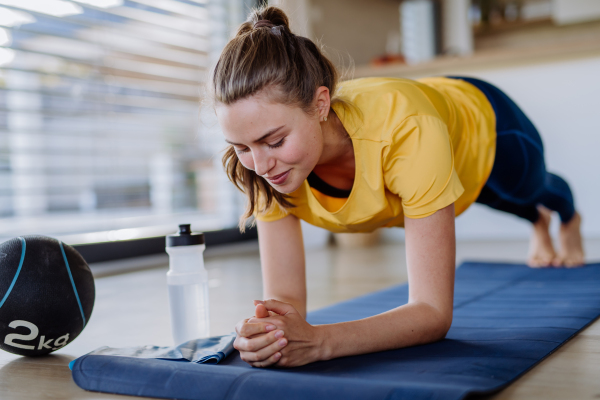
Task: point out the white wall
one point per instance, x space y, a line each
298 12
572 11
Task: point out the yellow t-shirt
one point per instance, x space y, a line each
419 146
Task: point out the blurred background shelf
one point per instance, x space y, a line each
506 49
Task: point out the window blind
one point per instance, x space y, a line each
99 114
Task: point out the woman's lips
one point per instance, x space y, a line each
279 179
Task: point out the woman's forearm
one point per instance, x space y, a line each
298 303
283 262
408 325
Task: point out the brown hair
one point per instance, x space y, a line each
265 54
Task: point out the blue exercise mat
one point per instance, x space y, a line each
507 318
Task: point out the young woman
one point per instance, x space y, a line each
374 152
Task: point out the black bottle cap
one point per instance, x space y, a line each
185 237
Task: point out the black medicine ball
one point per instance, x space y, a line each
46 295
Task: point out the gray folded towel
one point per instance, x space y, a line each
202 351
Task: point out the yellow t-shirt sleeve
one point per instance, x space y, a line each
274 213
419 166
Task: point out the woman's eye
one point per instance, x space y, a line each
239 151
278 144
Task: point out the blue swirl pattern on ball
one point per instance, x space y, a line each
24 247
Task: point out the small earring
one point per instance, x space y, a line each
324 118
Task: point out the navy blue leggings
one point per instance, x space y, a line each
519 180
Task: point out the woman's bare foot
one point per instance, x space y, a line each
541 250
571 244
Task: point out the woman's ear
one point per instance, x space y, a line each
323 102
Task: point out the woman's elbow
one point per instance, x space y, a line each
441 320
442 326
437 324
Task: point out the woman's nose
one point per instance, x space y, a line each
262 163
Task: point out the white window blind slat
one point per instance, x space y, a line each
99 115
177 7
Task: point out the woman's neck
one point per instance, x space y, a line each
336 165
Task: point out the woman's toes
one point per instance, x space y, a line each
533 261
541 249
558 261
574 262
539 262
546 262
571 243
535 265
541 256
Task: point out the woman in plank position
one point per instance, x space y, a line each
364 154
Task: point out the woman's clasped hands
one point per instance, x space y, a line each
278 336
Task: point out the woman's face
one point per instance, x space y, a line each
280 143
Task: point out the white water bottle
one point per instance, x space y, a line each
187 281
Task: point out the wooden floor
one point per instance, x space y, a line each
131 309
